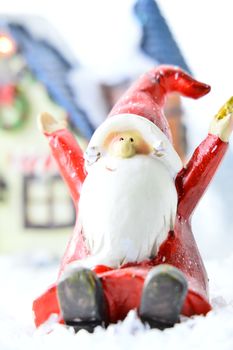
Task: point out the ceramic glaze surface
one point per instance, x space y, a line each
127 208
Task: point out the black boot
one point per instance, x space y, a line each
163 296
81 299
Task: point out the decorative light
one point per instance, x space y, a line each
7 45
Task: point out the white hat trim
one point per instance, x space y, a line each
151 133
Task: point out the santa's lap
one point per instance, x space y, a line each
123 289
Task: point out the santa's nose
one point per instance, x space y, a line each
124 147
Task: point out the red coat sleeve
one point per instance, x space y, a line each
193 179
69 158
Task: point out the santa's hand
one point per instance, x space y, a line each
48 124
222 124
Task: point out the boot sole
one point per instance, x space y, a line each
81 299
165 289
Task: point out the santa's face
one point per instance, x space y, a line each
128 201
126 144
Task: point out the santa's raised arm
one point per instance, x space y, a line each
134 202
196 175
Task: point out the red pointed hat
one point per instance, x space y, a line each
141 107
147 95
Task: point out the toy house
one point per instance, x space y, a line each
34 203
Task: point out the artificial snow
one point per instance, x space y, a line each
24 278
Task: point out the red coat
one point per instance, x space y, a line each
123 287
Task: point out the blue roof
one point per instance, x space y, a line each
52 69
157 40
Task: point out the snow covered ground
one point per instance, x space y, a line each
22 279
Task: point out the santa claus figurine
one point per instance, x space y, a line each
132 246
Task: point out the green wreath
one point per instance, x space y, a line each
14 116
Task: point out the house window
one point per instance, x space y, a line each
3 189
47 203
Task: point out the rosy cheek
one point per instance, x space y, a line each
143 148
113 143
111 138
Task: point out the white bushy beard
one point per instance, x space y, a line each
126 209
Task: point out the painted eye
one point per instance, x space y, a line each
121 139
131 139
